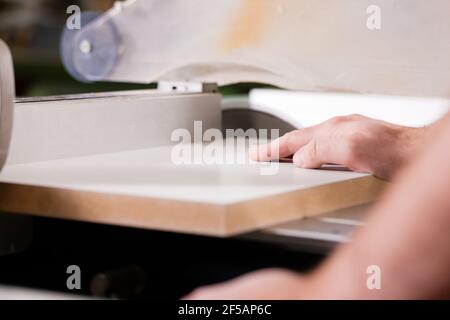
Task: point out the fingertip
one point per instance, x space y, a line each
253 153
260 152
298 159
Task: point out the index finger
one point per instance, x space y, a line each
284 146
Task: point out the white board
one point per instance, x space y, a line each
144 188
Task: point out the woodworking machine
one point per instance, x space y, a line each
324 54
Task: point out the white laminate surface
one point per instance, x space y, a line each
151 173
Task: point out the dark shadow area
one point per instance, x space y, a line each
133 263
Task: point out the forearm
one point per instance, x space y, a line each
407 236
412 141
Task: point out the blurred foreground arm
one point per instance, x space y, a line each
407 236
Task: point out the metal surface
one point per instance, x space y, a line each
316 234
334 46
237 113
89 56
83 125
96 95
199 87
7 93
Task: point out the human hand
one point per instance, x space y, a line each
269 284
356 142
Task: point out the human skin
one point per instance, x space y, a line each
357 142
406 235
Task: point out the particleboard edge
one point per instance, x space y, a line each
186 217
268 211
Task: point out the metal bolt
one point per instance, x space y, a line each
85 46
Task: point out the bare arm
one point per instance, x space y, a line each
407 236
